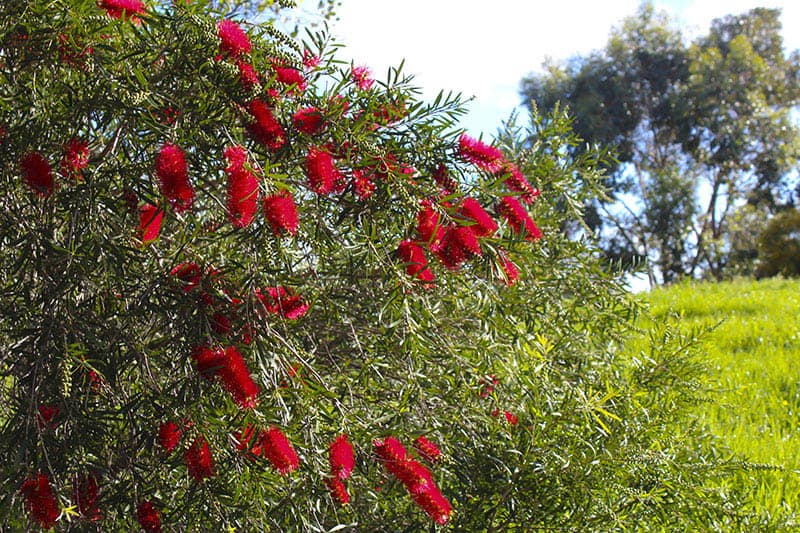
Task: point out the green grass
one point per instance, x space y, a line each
754 362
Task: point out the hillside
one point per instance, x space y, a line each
753 355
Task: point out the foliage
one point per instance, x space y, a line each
755 349
699 130
779 245
172 356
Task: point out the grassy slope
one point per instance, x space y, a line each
754 356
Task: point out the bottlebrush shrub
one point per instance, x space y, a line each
162 326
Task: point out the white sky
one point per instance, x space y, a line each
484 49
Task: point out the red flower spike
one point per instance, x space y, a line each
310 61
207 361
236 379
40 501
480 154
148 517
443 179
391 453
519 183
220 323
281 301
245 438
75 159
308 120
416 264
429 226
198 459
233 39
363 184
509 269
242 188
323 176
248 77
511 418
189 274
278 451
169 436
123 9
484 225
45 418
289 76
342 458
37 174
434 504
265 128
362 77
414 476
85 493
281 213
427 450
519 219
173 176
338 491
150 218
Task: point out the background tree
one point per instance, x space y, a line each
238 279
698 131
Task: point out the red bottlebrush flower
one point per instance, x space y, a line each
45 419
123 8
519 219
480 154
488 387
37 174
288 75
242 188
308 120
198 459
363 184
208 361
429 225
443 179
391 453
511 418
323 176
150 218
149 517
85 494
40 501
517 182
281 301
244 439
73 53
362 77
279 451
76 158
458 244
190 275
236 379
281 213
220 323
416 264
414 476
173 176
310 61
434 504
233 39
338 491
265 127
169 436
342 458
484 225
248 76
509 269
427 450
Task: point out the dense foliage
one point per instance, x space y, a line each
703 133
247 287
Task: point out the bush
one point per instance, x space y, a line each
227 258
779 246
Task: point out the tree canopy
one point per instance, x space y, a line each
698 129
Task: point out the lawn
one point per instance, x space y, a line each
753 355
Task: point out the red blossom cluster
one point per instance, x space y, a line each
272 444
231 368
40 501
242 188
416 478
233 39
198 459
173 177
281 212
342 461
149 517
46 416
281 301
169 436
265 127
323 175
85 493
76 158
123 9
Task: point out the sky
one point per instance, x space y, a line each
484 48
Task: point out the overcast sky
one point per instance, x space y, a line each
484 48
